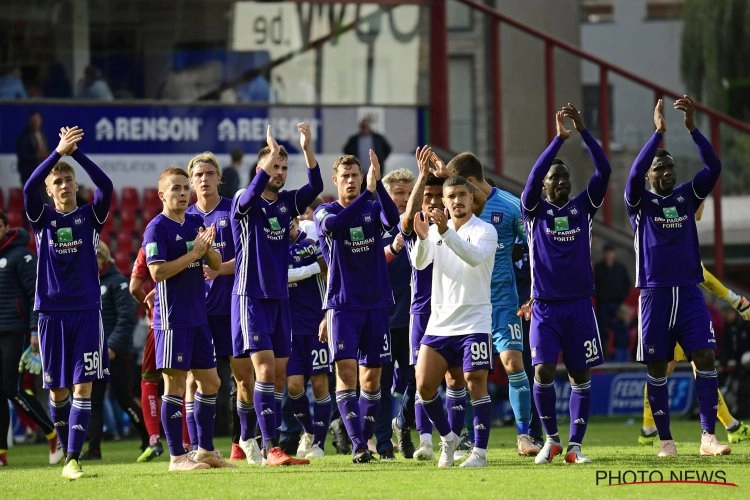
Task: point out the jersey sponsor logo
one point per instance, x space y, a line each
561 224
64 235
356 234
670 212
497 217
274 223
151 249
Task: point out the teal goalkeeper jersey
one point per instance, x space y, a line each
503 211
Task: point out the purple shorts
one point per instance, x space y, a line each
309 356
669 315
221 332
361 335
73 348
565 326
262 325
472 352
417 326
185 348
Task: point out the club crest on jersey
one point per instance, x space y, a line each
256 338
367 218
340 345
561 224
78 221
574 211
497 217
680 199
223 221
283 209
64 235
179 357
48 377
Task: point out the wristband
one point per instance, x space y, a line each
393 250
34 333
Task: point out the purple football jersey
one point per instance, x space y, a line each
219 290
180 301
261 235
666 239
560 249
305 296
68 274
357 271
560 237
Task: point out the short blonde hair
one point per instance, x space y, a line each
61 167
171 171
398 175
204 157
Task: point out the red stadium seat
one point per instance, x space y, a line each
124 261
149 213
15 200
15 218
129 198
151 199
124 241
115 205
129 221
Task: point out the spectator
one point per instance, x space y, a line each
230 175
93 85
57 85
612 284
31 146
11 85
361 143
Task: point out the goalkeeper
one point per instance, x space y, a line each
17 282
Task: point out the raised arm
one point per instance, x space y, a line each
104 186
388 209
422 252
307 193
417 194
261 179
705 178
33 202
532 193
636 183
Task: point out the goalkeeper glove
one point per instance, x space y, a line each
30 362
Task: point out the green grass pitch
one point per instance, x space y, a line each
610 443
